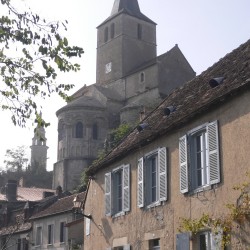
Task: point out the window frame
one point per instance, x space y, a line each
50 238
188 178
112 30
39 235
144 185
106 34
78 133
95 130
62 232
112 208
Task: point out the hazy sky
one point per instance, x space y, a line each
205 31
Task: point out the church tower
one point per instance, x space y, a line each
39 149
125 40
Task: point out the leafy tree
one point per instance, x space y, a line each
16 159
32 52
116 135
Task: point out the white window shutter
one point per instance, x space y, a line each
108 194
162 171
183 159
213 152
140 189
126 188
217 239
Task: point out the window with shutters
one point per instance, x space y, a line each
117 191
207 240
199 158
152 178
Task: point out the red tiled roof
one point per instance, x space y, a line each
28 194
14 229
190 100
60 206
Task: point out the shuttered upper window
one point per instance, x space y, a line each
199 158
117 191
152 178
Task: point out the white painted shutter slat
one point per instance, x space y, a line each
162 163
140 188
108 194
126 188
183 159
213 152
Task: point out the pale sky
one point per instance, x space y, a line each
205 31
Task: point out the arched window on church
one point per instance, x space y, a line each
95 132
106 34
112 31
139 31
79 130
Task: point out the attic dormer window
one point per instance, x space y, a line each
139 31
112 30
106 34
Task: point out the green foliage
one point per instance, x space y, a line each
32 178
239 213
16 159
116 135
32 53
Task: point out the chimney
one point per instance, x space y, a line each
59 191
11 190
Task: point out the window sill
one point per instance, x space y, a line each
201 189
118 214
155 204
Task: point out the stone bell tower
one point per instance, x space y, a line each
125 40
39 149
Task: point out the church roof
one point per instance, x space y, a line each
83 101
129 7
109 93
192 99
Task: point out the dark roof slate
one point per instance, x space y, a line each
60 206
190 100
14 229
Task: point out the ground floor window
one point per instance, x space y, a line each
154 244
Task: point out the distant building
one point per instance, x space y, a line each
39 149
130 79
16 206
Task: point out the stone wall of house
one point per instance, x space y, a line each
140 225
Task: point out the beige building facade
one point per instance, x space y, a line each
182 162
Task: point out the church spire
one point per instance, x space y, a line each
130 7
